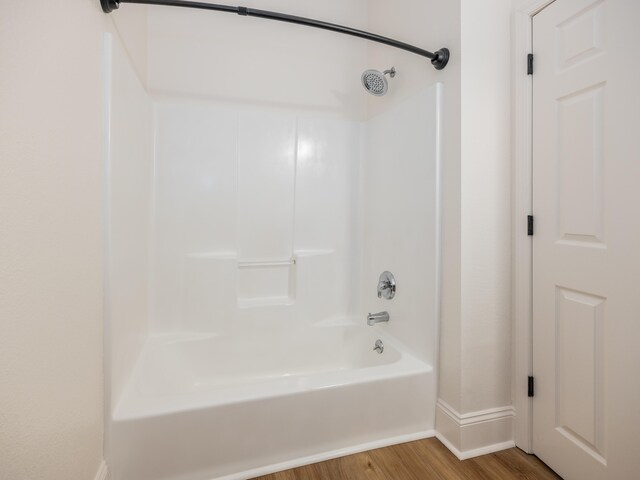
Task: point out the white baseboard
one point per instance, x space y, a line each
476 433
496 447
103 472
321 457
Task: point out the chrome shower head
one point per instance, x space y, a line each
375 82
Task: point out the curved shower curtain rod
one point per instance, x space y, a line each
439 58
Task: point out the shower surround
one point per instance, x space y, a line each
244 244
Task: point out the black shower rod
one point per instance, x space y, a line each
438 58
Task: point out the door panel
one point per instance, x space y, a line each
579 383
586 247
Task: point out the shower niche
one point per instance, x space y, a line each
265 283
218 288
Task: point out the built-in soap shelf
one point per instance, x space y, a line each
258 282
266 282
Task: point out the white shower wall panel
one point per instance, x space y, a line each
266 182
402 217
255 216
327 181
129 165
328 227
194 202
208 296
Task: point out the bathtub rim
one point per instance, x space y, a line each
133 406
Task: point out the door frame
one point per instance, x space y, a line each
522 177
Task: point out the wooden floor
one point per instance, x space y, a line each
422 460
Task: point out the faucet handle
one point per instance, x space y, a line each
386 285
382 286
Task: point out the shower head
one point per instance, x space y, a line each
375 82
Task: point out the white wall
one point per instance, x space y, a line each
475 342
132 29
228 58
486 205
51 167
475 327
428 24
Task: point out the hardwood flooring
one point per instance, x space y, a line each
422 460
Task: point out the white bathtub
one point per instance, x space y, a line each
203 407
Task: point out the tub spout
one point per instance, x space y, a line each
374 318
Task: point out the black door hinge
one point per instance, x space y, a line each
530 64
529 224
530 389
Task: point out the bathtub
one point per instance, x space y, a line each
199 407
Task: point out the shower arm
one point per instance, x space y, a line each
439 58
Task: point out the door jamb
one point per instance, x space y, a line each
522 288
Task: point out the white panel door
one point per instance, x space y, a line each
586 246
